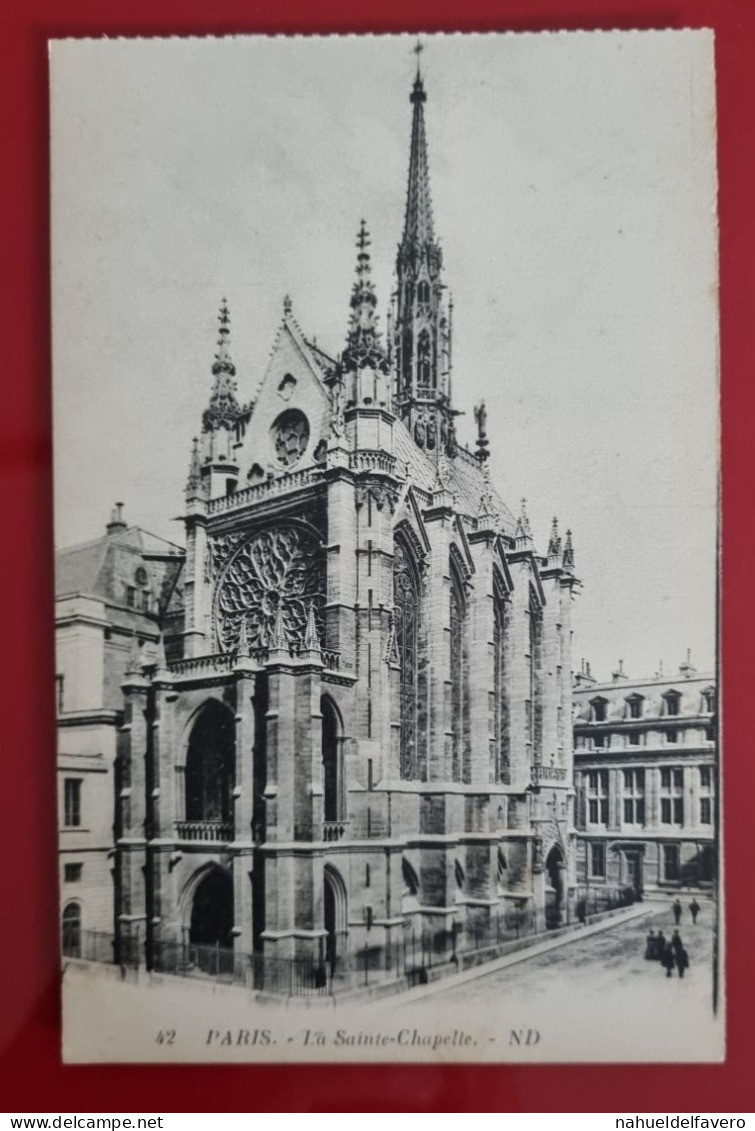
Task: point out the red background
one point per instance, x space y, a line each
34 1078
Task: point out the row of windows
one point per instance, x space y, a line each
674 736
635 705
633 796
670 863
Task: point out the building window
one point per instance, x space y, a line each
634 706
710 734
406 605
72 930
599 709
634 797
671 869
709 700
635 738
457 619
60 681
597 797
672 804
145 600
72 802
672 736
706 799
500 687
600 741
672 702
72 873
535 701
130 596
598 860
424 360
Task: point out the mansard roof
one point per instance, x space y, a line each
95 568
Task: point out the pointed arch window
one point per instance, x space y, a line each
423 292
535 700
210 766
406 610
500 687
458 675
424 362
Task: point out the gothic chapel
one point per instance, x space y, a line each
358 722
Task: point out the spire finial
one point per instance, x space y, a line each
311 635
224 409
418 48
568 552
481 419
279 640
288 306
523 532
554 545
363 345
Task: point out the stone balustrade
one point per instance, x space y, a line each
204 830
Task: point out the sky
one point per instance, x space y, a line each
574 193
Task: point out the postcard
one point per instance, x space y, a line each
386 454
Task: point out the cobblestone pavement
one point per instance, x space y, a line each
602 964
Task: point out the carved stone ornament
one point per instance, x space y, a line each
279 566
382 495
290 436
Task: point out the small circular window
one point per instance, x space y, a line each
290 435
141 575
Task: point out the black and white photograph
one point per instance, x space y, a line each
385 383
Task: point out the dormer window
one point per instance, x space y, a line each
709 700
634 706
672 702
599 710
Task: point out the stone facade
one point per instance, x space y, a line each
358 721
112 596
645 771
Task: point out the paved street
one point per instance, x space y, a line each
601 965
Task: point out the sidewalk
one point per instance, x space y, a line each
564 935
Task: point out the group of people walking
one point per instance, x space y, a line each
671 952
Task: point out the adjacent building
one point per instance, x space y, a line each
645 772
112 597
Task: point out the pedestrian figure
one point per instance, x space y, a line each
582 911
676 907
694 908
660 946
676 942
667 959
682 961
651 946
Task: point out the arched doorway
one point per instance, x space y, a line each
211 921
331 766
72 930
210 759
554 892
334 915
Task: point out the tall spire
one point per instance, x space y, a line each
421 347
224 409
418 222
363 346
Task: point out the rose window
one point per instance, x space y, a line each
290 436
283 566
